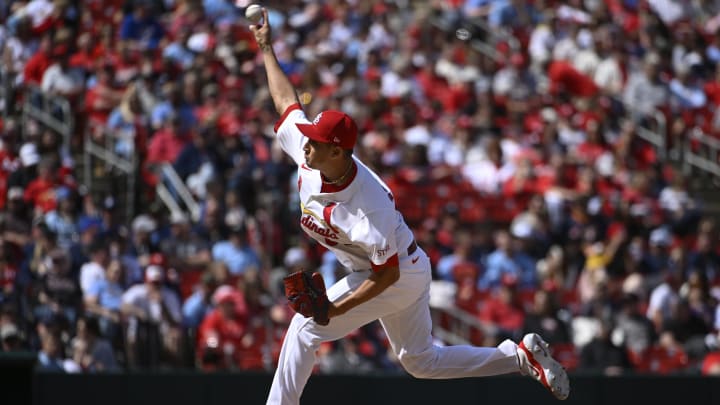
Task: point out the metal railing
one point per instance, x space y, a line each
53 111
481 36
701 151
656 136
652 128
495 35
451 324
177 188
105 151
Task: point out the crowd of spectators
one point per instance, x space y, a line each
517 164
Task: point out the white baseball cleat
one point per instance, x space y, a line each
535 361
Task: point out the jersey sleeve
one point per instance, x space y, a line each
290 138
375 234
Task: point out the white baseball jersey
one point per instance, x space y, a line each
360 225
357 222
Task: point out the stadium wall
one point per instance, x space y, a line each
176 388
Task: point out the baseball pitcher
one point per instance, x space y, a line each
349 210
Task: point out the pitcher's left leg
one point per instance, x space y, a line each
409 332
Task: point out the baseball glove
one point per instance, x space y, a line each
306 295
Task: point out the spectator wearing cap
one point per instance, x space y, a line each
10 338
235 251
142 242
88 230
154 314
223 332
506 260
63 219
17 221
28 170
185 249
657 260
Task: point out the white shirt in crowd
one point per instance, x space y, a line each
90 273
486 177
57 80
138 296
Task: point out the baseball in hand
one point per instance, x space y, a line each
253 13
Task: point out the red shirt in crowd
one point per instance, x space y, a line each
36 67
165 146
41 194
503 314
564 77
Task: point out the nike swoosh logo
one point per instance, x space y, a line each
414 260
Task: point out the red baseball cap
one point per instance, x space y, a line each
334 127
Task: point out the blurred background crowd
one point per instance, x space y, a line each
508 131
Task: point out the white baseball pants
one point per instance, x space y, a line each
404 313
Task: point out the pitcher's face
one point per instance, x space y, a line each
317 154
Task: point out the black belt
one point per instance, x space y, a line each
412 248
